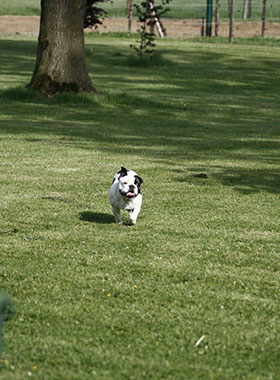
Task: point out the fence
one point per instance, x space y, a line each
184 18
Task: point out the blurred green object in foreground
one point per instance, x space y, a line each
7 310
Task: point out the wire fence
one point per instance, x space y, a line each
190 9
185 18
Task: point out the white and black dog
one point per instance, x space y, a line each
125 194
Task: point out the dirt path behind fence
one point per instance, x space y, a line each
29 25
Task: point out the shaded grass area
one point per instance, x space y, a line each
99 300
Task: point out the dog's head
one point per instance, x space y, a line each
129 183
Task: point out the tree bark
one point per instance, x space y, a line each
60 64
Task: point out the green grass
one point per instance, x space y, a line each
251 41
20 7
178 8
99 300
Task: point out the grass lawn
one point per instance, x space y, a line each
191 291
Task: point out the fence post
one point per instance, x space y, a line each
209 8
129 13
231 21
264 18
217 18
250 10
202 27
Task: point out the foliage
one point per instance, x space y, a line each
94 14
162 300
147 18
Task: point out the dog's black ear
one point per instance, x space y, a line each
123 172
138 180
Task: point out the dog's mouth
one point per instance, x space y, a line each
129 194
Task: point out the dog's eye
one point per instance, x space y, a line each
125 183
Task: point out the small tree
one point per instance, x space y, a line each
146 42
149 16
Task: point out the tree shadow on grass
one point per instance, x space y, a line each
153 122
96 217
248 181
245 181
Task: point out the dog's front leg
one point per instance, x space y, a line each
133 215
117 215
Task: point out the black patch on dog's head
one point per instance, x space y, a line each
137 181
122 172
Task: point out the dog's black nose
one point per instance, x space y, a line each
131 188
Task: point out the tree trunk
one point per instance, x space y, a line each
60 64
